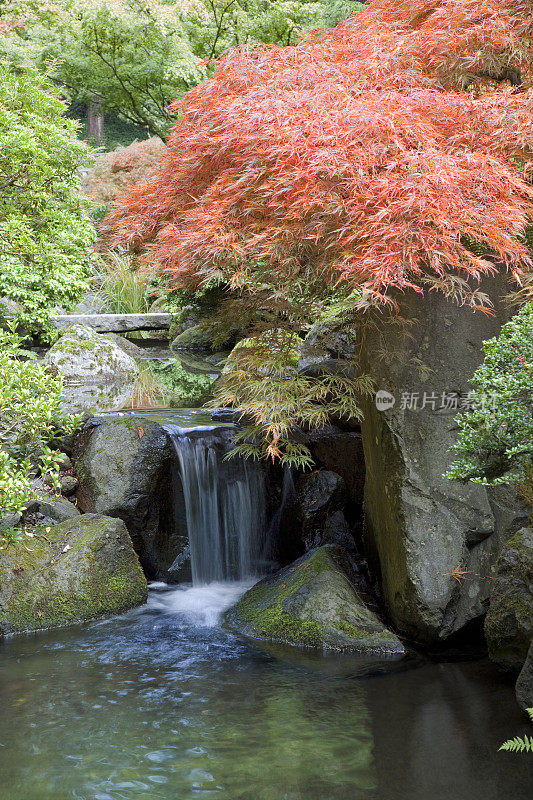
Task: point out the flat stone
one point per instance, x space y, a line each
115 323
58 509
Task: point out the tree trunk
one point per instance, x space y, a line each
95 121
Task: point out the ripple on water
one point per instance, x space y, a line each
161 703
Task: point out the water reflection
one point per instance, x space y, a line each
162 703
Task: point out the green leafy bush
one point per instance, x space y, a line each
496 440
30 416
46 237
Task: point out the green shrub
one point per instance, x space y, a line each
46 236
30 416
126 288
496 440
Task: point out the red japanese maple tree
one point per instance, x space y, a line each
377 154
392 152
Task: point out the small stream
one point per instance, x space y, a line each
162 703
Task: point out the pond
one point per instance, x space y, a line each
162 703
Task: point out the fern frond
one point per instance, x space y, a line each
518 744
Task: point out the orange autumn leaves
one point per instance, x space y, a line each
387 153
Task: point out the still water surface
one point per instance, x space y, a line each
163 704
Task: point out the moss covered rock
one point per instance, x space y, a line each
78 570
509 621
126 469
82 354
313 603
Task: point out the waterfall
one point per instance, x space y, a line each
225 509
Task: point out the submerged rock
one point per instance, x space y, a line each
78 570
313 603
509 621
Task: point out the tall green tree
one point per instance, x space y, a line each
134 57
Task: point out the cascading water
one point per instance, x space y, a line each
224 507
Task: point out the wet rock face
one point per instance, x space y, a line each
313 603
341 452
509 621
125 469
524 684
418 525
330 348
320 502
84 568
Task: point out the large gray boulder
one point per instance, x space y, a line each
509 621
313 603
81 354
78 570
125 466
419 526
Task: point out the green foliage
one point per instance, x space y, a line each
29 418
136 56
45 234
261 378
131 55
339 10
118 132
214 26
496 439
519 744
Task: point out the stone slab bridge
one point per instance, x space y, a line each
115 323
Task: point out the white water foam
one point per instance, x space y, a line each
200 605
